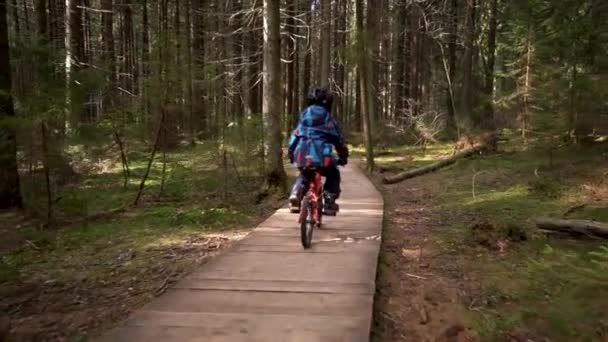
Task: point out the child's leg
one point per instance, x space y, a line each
296 192
331 189
332 180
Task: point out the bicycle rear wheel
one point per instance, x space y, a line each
306 226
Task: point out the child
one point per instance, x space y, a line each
310 147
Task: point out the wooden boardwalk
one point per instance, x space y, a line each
268 288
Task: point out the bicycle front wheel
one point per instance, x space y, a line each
306 226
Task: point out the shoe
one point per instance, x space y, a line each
330 207
294 202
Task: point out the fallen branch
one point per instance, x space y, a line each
415 276
32 245
583 227
142 184
163 287
433 167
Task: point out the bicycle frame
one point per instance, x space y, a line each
314 184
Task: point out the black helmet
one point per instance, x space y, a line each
321 96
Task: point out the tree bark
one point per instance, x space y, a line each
362 67
15 15
291 82
525 110
467 73
488 123
108 55
453 39
306 71
77 40
340 58
398 69
145 59
56 17
128 74
190 78
199 58
68 45
325 27
372 45
10 195
47 173
276 176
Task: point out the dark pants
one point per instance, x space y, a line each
332 180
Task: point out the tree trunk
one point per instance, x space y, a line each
524 113
198 51
453 39
398 69
10 195
178 92
340 57
488 123
77 41
276 177
362 66
190 79
47 173
467 73
325 27
26 15
41 10
408 64
305 74
56 15
292 66
128 73
15 15
372 45
75 51
108 55
145 58
248 72
69 5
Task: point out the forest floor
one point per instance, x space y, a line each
462 260
81 276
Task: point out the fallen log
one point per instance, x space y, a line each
435 166
583 227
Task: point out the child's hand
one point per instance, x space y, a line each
342 161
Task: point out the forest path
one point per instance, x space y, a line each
268 288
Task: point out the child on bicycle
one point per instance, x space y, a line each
310 147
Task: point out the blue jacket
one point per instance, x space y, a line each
310 145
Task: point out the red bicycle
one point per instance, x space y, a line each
311 206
